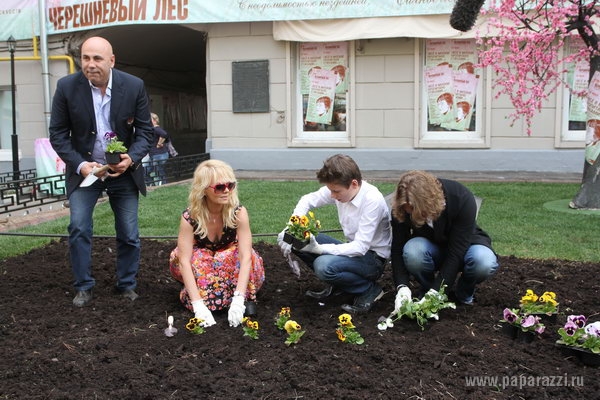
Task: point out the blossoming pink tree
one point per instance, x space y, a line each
525 53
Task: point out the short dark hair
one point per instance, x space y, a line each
339 169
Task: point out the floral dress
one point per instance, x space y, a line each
216 267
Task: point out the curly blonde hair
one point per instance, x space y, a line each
207 173
423 192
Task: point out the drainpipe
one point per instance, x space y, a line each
45 73
44 56
35 57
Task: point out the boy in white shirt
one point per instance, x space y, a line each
353 266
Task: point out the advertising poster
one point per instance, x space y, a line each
335 56
321 96
454 104
465 91
592 135
438 52
332 56
311 59
440 94
578 106
463 56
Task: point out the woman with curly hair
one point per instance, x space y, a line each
435 238
214 258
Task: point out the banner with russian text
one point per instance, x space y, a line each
20 18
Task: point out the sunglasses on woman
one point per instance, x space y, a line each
220 187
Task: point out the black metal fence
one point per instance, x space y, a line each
31 191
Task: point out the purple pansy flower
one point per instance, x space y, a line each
108 136
530 320
540 329
509 316
593 329
578 320
570 328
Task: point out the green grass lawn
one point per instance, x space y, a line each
512 213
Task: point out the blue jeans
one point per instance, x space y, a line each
159 161
423 258
123 197
353 275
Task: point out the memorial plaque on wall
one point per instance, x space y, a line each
250 86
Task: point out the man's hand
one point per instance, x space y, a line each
202 312
404 295
88 167
286 248
122 166
313 246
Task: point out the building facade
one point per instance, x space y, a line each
395 92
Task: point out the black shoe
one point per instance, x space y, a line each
250 309
454 299
364 302
82 298
323 294
320 295
130 294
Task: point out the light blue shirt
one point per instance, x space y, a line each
102 113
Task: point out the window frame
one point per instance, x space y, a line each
297 136
425 138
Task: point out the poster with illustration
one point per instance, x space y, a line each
311 58
320 97
579 82
440 94
438 52
592 134
463 56
465 91
332 56
335 56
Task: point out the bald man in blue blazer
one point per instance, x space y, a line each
88 109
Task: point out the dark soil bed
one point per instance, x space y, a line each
116 349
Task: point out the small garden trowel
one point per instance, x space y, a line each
93 176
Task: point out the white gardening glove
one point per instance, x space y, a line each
313 246
202 312
236 310
404 295
286 248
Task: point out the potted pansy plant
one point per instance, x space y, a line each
581 339
521 326
545 306
526 322
299 228
114 148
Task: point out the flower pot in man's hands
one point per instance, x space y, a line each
294 241
112 158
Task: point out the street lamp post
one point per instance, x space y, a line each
12 45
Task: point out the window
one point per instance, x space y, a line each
575 107
451 89
6 121
321 93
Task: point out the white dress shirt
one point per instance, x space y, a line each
365 220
